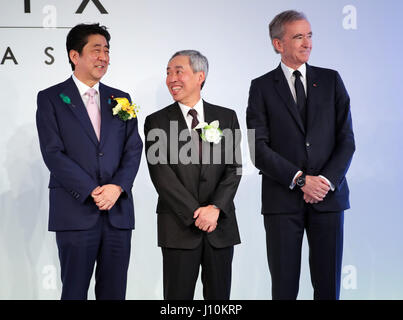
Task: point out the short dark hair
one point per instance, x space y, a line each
77 37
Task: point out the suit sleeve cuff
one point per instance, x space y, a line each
292 185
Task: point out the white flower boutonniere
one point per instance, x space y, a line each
210 132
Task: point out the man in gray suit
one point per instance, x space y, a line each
196 213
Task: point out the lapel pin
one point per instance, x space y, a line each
65 98
111 98
315 85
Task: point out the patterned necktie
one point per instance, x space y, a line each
193 114
301 97
195 122
93 111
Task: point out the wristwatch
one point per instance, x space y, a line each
300 182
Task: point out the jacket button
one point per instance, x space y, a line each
100 154
308 144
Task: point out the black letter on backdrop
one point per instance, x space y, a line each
27 6
97 4
8 56
52 58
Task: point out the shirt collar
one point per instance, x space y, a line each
198 107
288 71
82 87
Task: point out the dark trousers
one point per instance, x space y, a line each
79 250
284 235
181 270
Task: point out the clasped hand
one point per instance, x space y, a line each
206 218
315 189
106 196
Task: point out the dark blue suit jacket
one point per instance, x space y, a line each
282 145
78 163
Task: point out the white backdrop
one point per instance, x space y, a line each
361 39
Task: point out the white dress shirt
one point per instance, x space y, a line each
290 77
188 118
288 73
83 88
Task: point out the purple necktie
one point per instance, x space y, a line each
93 111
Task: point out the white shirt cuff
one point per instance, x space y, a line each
328 182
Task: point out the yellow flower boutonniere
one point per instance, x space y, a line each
123 108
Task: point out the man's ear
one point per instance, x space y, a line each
73 54
202 77
277 44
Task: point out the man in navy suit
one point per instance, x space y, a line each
93 158
303 146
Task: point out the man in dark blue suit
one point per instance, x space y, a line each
303 147
93 157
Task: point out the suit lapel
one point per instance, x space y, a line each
78 109
209 116
175 115
106 113
312 94
284 91
208 112
191 170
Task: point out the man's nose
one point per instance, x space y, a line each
103 56
307 42
172 78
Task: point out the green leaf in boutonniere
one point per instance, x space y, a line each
65 98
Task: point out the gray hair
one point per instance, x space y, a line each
198 62
276 26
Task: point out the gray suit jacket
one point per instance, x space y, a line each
182 188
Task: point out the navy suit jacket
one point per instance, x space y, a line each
282 145
78 162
